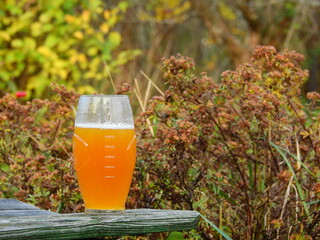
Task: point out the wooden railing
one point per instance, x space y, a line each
20 220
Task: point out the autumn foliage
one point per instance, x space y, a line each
36 151
244 152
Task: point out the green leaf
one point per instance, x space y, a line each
69 5
299 189
39 115
123 6
114 39
60 207
308 123
226 196
29 43
16 43
12 86
4 167
36 29
92 51
125 56
279 148
45 17
51 41
175 236
215 227
15 56
47 27
39 84
313 202
13 9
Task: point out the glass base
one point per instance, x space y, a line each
105 211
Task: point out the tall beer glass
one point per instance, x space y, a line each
104 148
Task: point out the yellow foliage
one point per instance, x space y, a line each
171 9
78 34
114 39
166 10
226 11
112 19
64 41
29 44
16 43
106 14
44 18
82 58
86 89
46 52
92 51
89 31
73 59
69 18
104 27
36 29
85 16
5 36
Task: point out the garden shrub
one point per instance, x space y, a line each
36 151
244 152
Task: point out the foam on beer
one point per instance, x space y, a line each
104 125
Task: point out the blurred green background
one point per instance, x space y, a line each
88 44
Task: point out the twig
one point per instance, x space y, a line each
137 88
136 92
153 84
139 99
146 96
286 196
55 134
301 122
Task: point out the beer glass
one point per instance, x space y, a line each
104 149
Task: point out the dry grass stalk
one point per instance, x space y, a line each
142 102
153 84
111 79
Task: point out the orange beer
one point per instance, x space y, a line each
104 162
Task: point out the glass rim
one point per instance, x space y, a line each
104 95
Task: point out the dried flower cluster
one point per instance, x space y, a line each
36 151
244 152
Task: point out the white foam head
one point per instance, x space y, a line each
104 125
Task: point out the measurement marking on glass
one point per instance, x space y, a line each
109 177
109 136
109 157
129 146
109 166
109 146
81 140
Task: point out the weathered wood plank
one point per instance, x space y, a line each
76 226
13 204
18 213
14 208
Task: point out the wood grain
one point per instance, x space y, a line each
14 208
83 225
